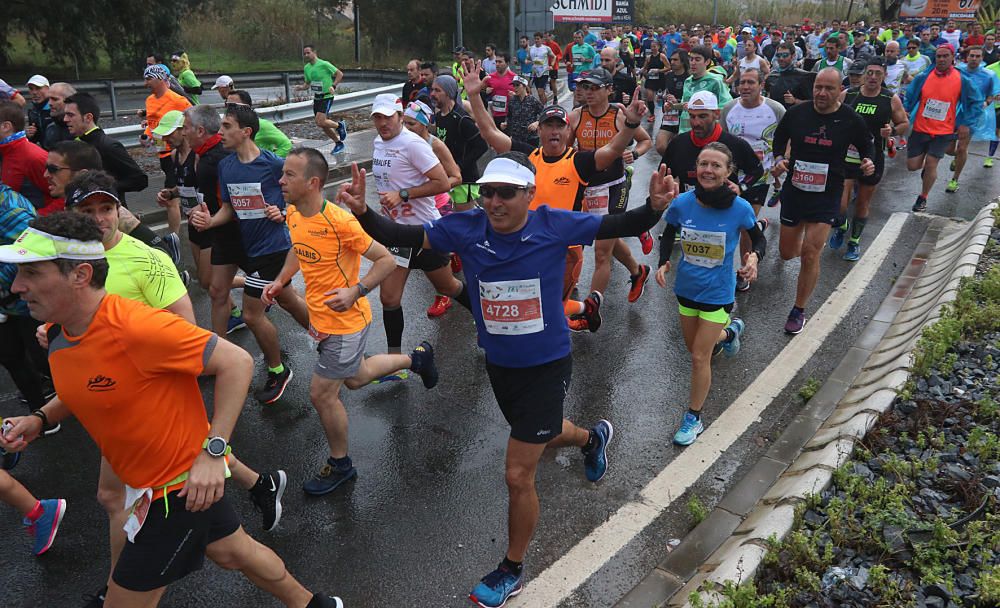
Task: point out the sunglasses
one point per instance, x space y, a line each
54 168
504 192
782 55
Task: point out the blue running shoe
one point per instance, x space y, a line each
732 347
691 427
235 323
9 460
342 130
837 237
328 479
45 527
853 253
173 244
796 321
338 147
423 364
595 460
497 587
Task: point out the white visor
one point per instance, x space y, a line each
507 171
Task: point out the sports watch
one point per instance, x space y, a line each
364 291
405 195
217 447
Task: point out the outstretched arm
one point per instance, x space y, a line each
381 228
497 139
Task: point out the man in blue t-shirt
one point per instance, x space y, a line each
518 259
250 192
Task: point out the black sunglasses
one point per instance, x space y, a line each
504 192
54 168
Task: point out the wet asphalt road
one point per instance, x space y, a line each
426 517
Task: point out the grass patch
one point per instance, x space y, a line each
697 510
809 389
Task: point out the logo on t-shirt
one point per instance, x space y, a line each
819 137
561 181
101 384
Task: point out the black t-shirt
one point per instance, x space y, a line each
674 84
622 84
681 156
875 111
798 82
459 132
819 145
207 175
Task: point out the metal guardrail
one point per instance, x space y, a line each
286 79
288 112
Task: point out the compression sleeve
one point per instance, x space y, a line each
758 242
631 223
389 233
667 244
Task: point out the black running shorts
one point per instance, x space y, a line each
169 547
261 271
531 398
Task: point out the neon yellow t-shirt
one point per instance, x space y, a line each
139 272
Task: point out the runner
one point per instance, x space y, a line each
149 361
224 84
592 127
517 256
185 76
490 58
896 74
988 87
557 56
459 132
702 79
57 130
249 192
413 84
408 176
270 137
654 71
709 221
23 166
322 78
541 57
831 48
160 101
622 84
787 84
753 118
942 104
581 56
820 134
328 245
9 93
564 175
499 86
169 130
995 141
750 60
39 112
673 92
216 249
883 112
523 114
141 273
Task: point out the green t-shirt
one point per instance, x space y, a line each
583 57
319 77
189 81
270 137
139 272
710 82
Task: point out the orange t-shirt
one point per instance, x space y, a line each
132 380
557 184
939 99
157 107
329 246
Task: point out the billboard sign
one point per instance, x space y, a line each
582 11
939 10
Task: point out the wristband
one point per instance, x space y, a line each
364 291
632 125
41 416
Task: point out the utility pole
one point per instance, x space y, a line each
458 26
357 33
510 29
715 12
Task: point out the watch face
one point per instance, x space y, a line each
217 446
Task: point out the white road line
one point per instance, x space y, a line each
571 570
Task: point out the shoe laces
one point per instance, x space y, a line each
689 423
495 578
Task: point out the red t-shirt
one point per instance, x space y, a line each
556 53
23 169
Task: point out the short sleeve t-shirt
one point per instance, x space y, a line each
402 163
329 246
539 57
503 87
156 107
139 272
516 280
319 76
708 237
755 126
583 57
249 187
131 379
271 138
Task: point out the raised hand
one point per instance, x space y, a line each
637 108
663 188
471 81
353 195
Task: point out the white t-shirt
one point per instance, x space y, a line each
750 64
756 126
915 65
539 60
955 37
401 163
894 76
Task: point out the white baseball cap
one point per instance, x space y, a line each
703 100
223 81
387 104
507 171
38 80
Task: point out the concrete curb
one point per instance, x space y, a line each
730 544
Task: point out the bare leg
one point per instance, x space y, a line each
263 330
812 245
111 495
325 396
118 597
259 564
701 337
15 494
218 291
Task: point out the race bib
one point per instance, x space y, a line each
402 255
654 74
672 118
499 104
190 198
247 201
512 308
853 156
137 502
703 248
317 88
161 144
595 199
935 109
810 177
